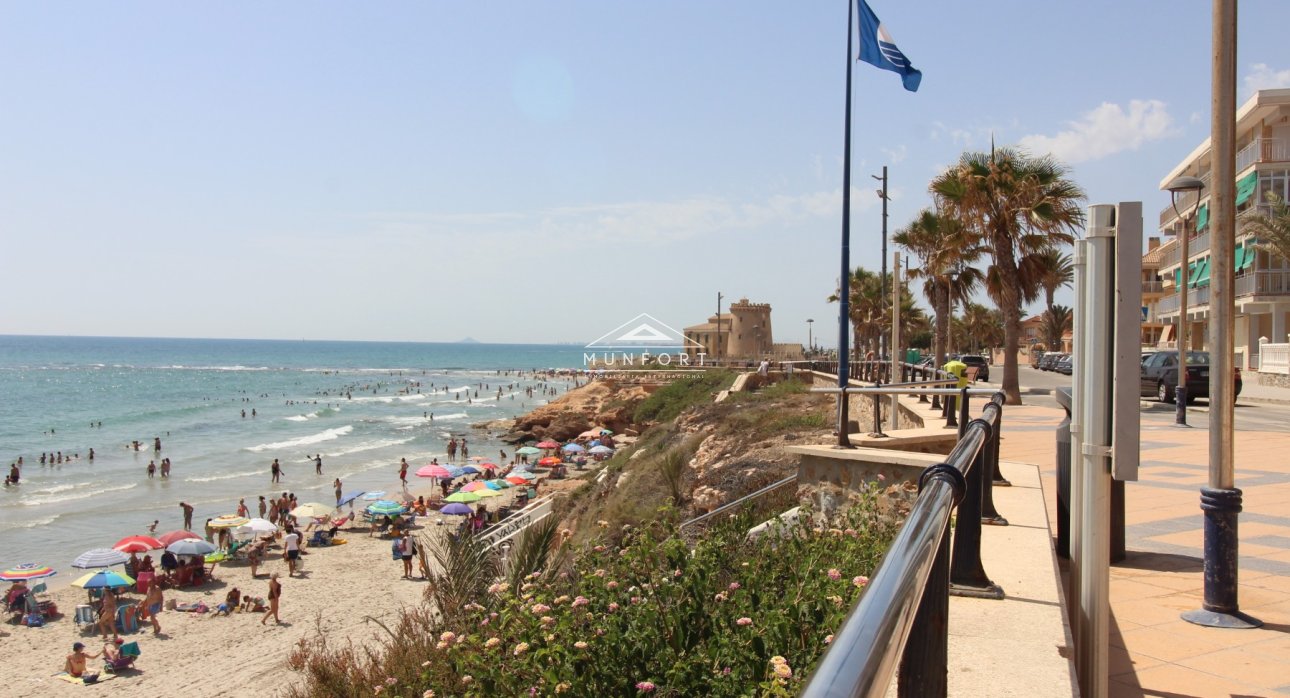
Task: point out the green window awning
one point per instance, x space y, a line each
1202 217
1240 258
1245 187
1251 253
1202 274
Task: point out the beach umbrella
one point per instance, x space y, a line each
528 451
549 460
100 557
191 546
385 508
606 431
456 509
25 571
228 521
173 536
476 485
589 434
104 579
487 466
517 480
463 497
257 526
601 449
470 470
485 492
349 497
595 443
312 510
433 471
456 472
572 448
216 557
524 475
138 544
548 444
498 484
373 496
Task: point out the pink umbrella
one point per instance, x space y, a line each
175 536
476 485
548 444
435 471
138 544
487 466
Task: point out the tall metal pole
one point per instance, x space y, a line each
895 330
882 349
1221 501
1180 393
810 340
844 293
720 348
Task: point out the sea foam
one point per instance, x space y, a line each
321 436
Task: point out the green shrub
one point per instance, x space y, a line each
669 401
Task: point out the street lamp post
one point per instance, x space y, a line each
810 340
1183 185
882 194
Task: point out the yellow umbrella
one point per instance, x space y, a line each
229 521
104 579
313 510
486 493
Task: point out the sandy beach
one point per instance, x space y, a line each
199 654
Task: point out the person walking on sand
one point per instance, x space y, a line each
406 551
262 506
188 515
403 472
337 486
107 614
152 604
242 511
276 471
275 597
291 550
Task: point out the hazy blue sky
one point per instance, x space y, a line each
536 171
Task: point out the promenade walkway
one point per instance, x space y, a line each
1153 651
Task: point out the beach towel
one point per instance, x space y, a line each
80 681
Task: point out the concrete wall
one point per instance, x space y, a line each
860 407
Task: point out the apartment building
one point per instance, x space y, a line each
1262 284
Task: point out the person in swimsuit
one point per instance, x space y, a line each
75 664
337 484
275 596
107 614
152 604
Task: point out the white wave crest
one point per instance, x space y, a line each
28 523
367 446
59 499
227 476
321 436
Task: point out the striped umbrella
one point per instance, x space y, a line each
228 521
100 557
25 571
476 485
498 484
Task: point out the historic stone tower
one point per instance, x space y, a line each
750 335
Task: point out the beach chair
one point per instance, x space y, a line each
85 617
129 653
126 622
320 538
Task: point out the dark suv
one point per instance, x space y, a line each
979 363
1160 375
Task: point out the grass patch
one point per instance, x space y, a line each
669 401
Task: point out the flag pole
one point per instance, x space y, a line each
844 293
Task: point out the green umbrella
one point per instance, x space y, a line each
385 508
463 497
528 451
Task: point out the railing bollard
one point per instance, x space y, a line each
967 576
950 413
963 411
989 515
922 375
924 667
877 417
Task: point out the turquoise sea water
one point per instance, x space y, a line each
356 403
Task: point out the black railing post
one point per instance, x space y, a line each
924 667
877 416
990 515
922 375
967 575
950 413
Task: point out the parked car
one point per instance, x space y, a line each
979 363
1049 360
1035 357
1160 375
1065 365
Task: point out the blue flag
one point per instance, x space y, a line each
879 50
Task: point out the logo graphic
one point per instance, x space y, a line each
644 341
644 332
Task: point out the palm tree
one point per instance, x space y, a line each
944 248
1018 206
871 313
978 328
1273 228
1053 269
1057 321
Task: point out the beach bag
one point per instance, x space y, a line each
34 620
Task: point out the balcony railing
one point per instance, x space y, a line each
1153 286
1263 283
1185 201
1262 150
1196 297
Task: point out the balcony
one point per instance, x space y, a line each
1263 283
1198 245
1262 150
1185 201
1156 286
1196 297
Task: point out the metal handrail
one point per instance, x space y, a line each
739 502
903 613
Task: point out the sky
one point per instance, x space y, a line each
538 172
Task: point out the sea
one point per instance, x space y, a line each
360 405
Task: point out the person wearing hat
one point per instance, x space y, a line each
75 664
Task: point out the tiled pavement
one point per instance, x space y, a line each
1153 651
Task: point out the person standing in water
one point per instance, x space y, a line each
318 464
276 470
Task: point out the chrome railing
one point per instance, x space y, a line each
739 503
903 617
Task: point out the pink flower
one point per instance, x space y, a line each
428 694
520 649
676 573
547 621
828 639
834 574
613 607
881 476
734 586
860 580
721 596
580 601
744 621
611 585
448 636
645 687
390 681
540 608
636 600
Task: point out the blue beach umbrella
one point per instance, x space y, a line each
385 508
373 496
456 472
349 497
470 470
497 484
601 449
572 448
456 509
103 579
100 557
190 546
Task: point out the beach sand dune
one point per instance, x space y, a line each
201 655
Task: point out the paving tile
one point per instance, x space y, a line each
1175 681
1240 665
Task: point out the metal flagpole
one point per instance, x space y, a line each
844 293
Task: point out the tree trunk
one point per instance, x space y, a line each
1009 306
942 303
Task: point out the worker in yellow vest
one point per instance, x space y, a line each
958 369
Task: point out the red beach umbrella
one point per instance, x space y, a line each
175 536
487 466
517 480
548 444
138 544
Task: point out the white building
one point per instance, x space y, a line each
1262 286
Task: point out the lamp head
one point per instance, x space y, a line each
1184 184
